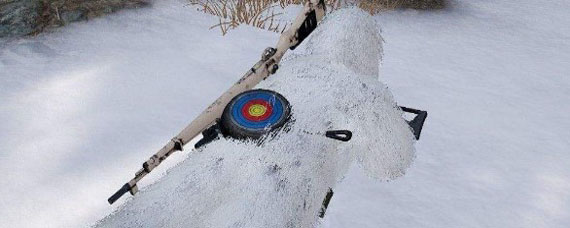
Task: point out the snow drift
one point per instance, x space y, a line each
331 82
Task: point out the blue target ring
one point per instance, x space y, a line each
240 118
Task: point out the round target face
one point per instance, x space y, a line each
257 109
255 112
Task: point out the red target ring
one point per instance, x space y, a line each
257 110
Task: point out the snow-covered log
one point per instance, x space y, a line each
331 82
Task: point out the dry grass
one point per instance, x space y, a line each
424 4
61 12
257 13
232 13
261 13
376 6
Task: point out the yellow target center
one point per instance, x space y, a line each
257 110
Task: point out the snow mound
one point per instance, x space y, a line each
331 83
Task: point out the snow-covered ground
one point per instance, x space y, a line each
495 78
83 107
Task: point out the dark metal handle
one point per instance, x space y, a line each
342 135
410 110
126 188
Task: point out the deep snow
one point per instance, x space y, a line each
494 76
82 108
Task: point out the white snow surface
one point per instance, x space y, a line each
83 107
494 152
283 182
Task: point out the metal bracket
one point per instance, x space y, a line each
326 202
268 53
177 143
210 134
418 122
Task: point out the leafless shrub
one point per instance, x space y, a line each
232 13
257 13
424 4
376 6
262 13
